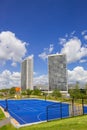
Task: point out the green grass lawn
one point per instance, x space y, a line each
2 116
76 123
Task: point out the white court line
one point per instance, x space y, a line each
30 109
16 115
2 105
38 116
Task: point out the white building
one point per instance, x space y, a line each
57 71
27 74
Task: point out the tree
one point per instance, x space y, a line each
76 93
4 92
23 92
28 92
86 88
56 93
37 92
12 90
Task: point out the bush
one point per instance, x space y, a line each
76 93
23 92
56 93
12 90
36 92
28 92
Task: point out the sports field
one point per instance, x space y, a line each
34 110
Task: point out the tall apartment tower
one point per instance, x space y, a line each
57 72
27 74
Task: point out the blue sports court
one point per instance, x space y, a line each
34 110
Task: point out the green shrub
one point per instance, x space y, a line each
56 93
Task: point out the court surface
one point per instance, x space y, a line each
34 110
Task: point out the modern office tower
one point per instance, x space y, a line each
27 74
57 72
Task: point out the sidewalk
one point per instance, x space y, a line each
4 122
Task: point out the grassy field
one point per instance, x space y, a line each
76 123
2 116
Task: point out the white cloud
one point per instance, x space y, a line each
84 32
74 50
51 48
73 33
46 52
31 56
8 79
83 61
11 48
77 74
42 79
14 64
62 41
43 55
85 37
35 73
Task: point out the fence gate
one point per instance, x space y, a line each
76 107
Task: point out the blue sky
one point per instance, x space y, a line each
40 28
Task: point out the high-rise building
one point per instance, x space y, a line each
27 74
57 72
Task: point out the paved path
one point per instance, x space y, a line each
4 122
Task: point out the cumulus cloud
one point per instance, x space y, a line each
46 52
74 50
77 74
13 79
71 46
42 79
63 41
8 79
11 48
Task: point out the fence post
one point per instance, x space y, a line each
47 113
73 106
6 102
45 96
61 109
83 105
